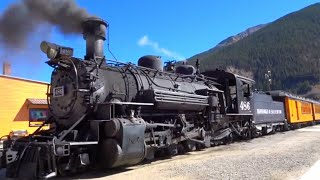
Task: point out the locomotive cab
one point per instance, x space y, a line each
237 91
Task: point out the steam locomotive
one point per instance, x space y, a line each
108 114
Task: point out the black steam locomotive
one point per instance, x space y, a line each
110 114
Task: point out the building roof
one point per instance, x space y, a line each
22 79
37 101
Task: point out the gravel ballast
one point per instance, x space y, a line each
282 156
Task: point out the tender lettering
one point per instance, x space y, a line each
269 111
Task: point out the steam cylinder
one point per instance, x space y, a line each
94 32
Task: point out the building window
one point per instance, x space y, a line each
38 115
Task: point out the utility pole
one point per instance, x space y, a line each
267 76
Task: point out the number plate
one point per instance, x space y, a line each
58 91
245 106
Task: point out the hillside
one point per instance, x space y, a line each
289 47
230 40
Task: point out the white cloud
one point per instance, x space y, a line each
145 41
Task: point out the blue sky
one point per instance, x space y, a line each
171 29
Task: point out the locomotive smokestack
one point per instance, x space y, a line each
94 32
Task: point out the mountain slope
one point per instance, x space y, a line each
230 40
233 39
289 47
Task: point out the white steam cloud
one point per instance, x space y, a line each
145 41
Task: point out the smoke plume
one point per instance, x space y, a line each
145 41
20 20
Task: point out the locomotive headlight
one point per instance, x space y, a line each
49 49
55 51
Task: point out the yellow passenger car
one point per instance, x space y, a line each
298 110
316 111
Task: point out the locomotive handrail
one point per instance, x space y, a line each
152 81
82 90
154 125
76 82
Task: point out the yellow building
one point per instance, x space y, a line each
23 104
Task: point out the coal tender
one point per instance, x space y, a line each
268 114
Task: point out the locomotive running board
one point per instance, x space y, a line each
130 103
235 114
